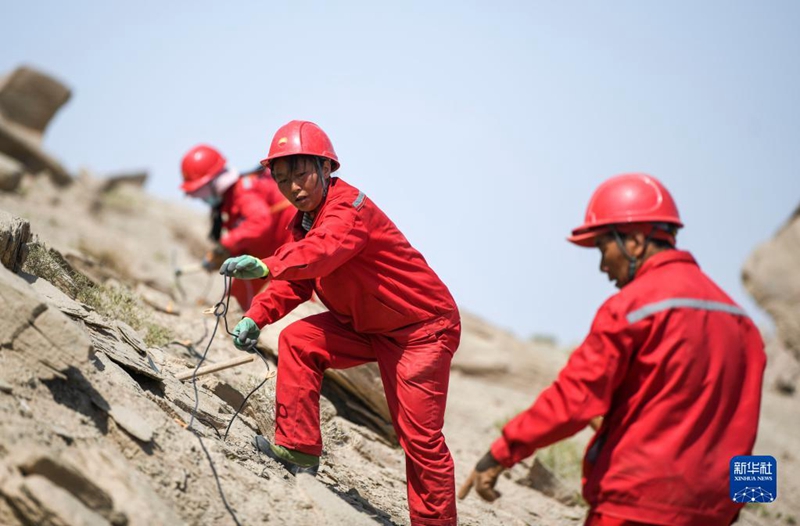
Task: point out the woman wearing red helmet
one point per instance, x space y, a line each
385 305
672 365
248 213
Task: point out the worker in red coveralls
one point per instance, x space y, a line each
672 365
385 304
248 213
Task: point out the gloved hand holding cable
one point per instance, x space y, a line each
245 334
244 267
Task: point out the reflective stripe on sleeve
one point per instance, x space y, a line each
686 303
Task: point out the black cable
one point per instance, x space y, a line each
216 478
194 412
220 311
241 406
223 315
194 373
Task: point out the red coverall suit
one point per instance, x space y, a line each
675 367
256 217
386 305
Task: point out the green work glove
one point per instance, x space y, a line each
244 267
245 334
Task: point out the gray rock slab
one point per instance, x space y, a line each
131 491
41 333
20 306
68 476
129 335
16 143
28 101
211 411
11 172
771 275
55 340
43 502
134 179
55 297
14 234
109 342
84 484
330 508
118 394
31 98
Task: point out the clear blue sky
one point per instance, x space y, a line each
480 128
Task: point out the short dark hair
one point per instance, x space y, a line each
294 160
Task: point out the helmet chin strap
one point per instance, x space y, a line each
308 217
325 182
633 263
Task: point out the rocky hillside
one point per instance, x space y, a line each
95 420
97 428
772 276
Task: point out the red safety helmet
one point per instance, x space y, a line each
200 165
626 201
301 138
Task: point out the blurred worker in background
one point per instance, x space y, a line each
248 213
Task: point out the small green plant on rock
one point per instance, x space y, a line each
157 335
114 302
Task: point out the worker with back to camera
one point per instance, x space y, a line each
672 365
249 215
386 305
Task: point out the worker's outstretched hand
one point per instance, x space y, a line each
245 334
483 477
244 267
214 258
